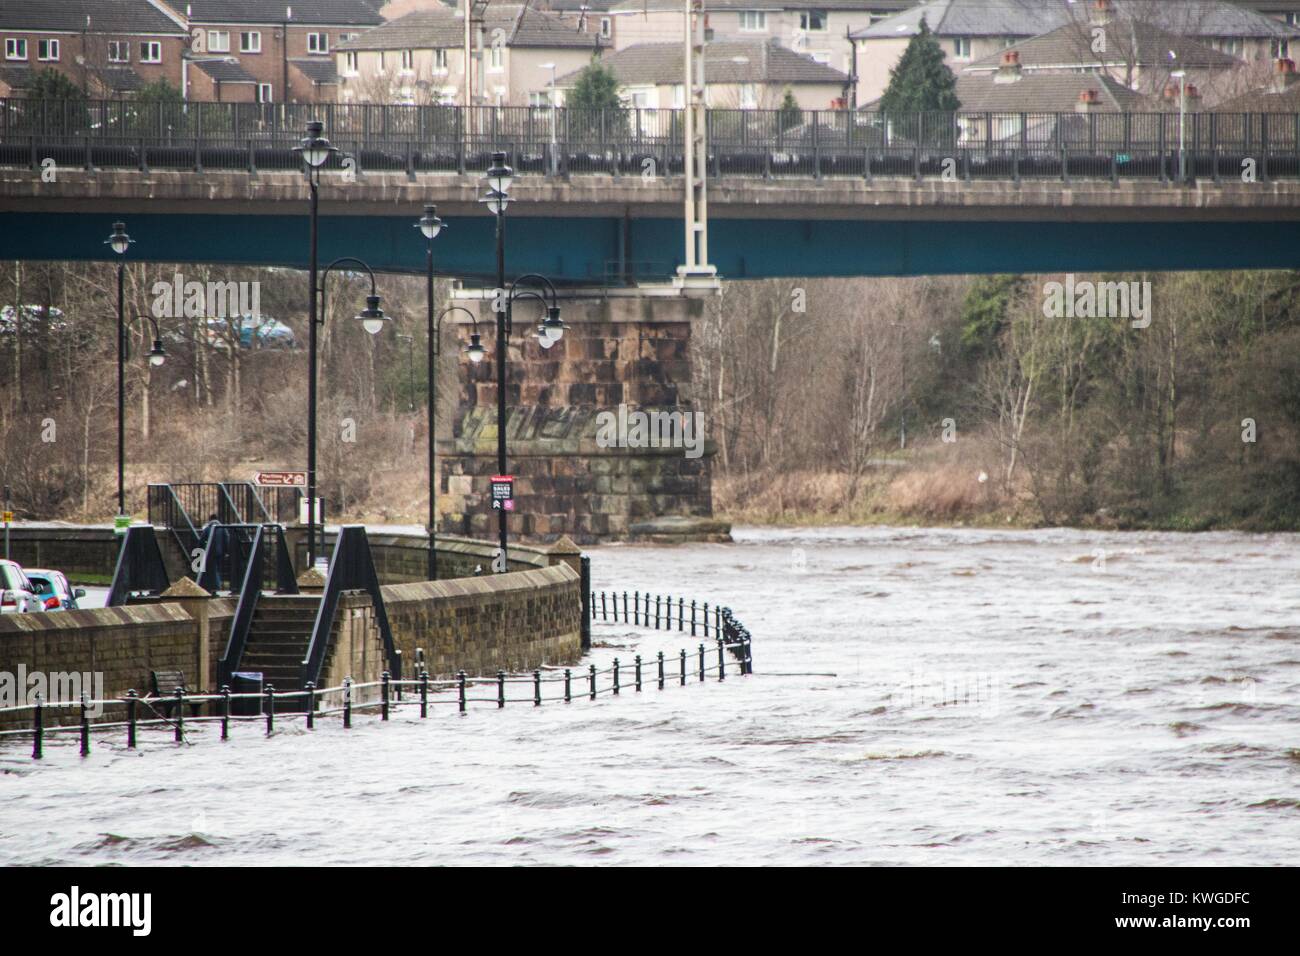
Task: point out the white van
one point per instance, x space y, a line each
17 595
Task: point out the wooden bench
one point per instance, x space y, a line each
165 685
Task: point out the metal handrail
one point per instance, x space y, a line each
139 567
250 592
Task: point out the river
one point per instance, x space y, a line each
920 696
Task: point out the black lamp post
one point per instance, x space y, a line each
430 225
499 177
314 150
120 242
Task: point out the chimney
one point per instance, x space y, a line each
1101 12
1009 68
1283 75
1089 102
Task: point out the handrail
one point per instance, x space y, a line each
242 623
351 568
139 567
721 622
171 510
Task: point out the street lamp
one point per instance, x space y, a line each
120 242
499 177
551 67
430 226
314 150
1181 77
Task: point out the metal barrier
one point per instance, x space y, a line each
721 623
94 134
139 568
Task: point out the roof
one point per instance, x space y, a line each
1026 18
865 6
224 70
1129 42
1043 93
331 12
17 78
119 79
659 64
106 16
320 70
438 28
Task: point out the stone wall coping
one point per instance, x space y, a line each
480 584
100 618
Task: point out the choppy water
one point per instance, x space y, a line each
1051 697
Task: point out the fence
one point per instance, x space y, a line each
563 141
311 704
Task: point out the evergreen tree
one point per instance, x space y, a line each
595 92
54 102
921 83
789 115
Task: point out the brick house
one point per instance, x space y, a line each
107 47
283 45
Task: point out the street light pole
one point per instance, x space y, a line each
120 242
314 151
1181 76
499 178
430 225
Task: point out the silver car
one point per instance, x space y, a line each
53 589
17 594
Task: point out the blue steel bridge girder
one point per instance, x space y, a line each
584 250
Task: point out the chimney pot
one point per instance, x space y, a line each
1284 66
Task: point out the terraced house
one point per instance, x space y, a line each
109 48
420 58
268 51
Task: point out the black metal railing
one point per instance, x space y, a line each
351 568
268 566
657 611
168 510
969 145
140 568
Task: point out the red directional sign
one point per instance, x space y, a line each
281 479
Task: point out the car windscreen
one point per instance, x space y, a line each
42 585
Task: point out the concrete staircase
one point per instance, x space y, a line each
277 642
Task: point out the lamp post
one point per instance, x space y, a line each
314 151
430 226
1181 77
120 242
499 177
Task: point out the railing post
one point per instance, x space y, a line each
310 688
588 608
347 703
38 728
460 681
604 610
385 684
638 673
717 621
180 715
85 728
501 689
397 674
591 674
681 603
722 664
568 686
537 688
661 670
625 618
683 662
424 693
270 709
225 711
706 618
657 599
132 699
636 607
692 618
701 662
616 676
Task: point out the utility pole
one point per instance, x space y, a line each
696 272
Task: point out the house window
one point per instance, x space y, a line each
382 63
47 49
606 27
265 93
151 51
748 96
1281 49
439 61
408 61
679 96
496 58
119 51
539 99
812 21
346 37
250 42
753 21
218 41
15 49
350 63
961 48
318 43
1008 42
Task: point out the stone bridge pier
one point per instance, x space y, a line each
603 435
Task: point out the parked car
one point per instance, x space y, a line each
17 594
53 589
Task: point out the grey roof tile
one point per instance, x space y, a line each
765 62
438 28
305 12
106 16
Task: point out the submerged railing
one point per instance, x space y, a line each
605 607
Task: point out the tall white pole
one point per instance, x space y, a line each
696 151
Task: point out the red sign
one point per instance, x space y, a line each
281 479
